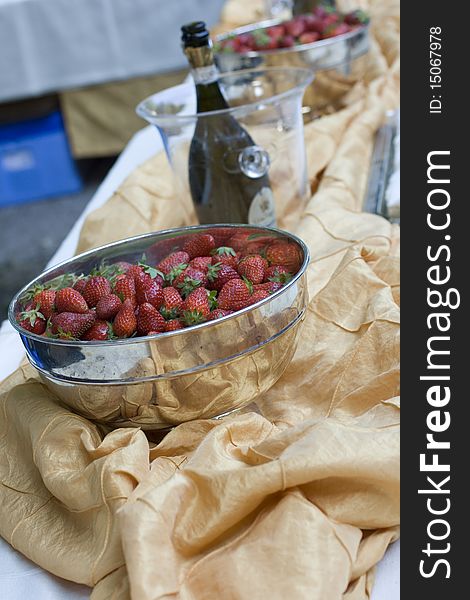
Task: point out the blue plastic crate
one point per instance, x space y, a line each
35 161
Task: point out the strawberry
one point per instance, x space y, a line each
100 330
285 254
309 37
295 27
201 263
69 300
313 23
95 288
277 273
32 319
72 325
253 268
46 301
218 313
270 286
108 307
257 296
149 319
189 280
199 245
154 273
124 288
234 294
173 325
287 41
148 291
134 271
122 265
125 322
80 284
339 29
226 256
175 272
219 276
172 303
196 307
173 260
276 31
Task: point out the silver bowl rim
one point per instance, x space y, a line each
300 47
143 111
147 338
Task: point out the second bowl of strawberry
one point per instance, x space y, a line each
190 323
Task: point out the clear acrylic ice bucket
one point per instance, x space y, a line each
267 103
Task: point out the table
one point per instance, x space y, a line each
52 45
18 575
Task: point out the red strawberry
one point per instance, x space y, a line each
80 284
123 266
337 30
287 41
253 268
96 287
124 288
149 319
234 295
173 325
108 307
172 303
154 273
201 263
46 301
219 276
277 273
134 271
199 245
100 330
147 290
276 31
257 296
196 307
226 256
125 323
309 37
32 319
69 300
173 260
219 313
313 23
295 27
285 254
72 325
189 280
270 286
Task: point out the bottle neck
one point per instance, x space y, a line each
205 74
202 64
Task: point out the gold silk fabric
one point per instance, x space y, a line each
298 499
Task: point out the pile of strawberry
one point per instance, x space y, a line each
201 282
322 23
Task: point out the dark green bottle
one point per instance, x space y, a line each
228 172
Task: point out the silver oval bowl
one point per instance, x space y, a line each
156 382
338 62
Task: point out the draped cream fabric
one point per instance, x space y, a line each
297 502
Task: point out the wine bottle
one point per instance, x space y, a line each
228 172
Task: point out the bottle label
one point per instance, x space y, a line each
262 211
205 75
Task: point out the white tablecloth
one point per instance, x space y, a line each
51 45
20 578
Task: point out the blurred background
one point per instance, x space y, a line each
71 74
